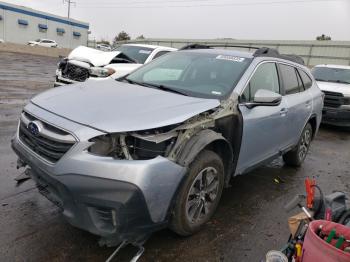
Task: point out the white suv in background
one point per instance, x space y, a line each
334 81
84 62
43 42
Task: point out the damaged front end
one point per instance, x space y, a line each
120 185
168 142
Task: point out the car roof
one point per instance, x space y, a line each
221 52
151 46
334 66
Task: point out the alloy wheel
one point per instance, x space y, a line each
202 194
304 144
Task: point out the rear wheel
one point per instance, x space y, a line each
296 156
199 195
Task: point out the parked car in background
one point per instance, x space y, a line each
43 42
104 47
334 81
84 62
123 158
2 41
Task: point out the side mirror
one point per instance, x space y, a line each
265 98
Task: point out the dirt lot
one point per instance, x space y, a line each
250 219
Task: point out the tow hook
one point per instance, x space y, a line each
136 257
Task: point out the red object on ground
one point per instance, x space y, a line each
317 249
310 191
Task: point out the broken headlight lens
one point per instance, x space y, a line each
131 146
62 64
101 72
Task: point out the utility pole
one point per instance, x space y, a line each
69 3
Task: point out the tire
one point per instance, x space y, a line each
296 156
199 195
345 219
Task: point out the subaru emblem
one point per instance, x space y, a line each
34 128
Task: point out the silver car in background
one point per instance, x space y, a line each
123 158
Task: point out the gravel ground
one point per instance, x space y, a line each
250 219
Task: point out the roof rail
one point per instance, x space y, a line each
260 51
205 46
271 52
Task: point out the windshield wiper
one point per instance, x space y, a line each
133 82
161 87
164 88
333 81
124 59
342 82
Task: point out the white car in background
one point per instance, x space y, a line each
334 81
43 42
104 47
84 62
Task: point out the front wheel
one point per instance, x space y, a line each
296 156
199 195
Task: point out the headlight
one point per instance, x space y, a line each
101 72
133 146
62 64
346 100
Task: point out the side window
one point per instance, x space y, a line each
290 79
300 82
306 79
160 53
265 77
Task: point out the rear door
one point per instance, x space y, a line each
299 101
264 127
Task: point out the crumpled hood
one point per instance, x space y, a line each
92 56
113 106
334 87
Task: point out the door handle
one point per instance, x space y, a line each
308 104
283 111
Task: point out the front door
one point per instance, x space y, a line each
264 127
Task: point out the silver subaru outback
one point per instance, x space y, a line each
123 158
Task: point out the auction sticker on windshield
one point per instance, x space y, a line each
230 58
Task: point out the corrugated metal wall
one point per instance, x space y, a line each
313 52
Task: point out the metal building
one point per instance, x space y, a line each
20 24
313 52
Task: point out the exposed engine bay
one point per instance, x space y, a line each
165 141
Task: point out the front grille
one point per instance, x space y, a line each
76 73
51 143
333 99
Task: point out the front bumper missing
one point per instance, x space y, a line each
115 199
61 81
336 116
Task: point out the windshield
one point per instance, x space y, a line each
137 53
203 75
327 74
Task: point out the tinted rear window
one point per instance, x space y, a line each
290 80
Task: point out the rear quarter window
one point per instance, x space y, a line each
307 81
290 79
